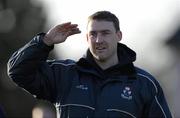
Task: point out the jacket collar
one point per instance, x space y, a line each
125 66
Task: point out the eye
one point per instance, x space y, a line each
92 34
104 33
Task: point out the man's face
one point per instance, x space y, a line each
102 39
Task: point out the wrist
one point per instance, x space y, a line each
47 40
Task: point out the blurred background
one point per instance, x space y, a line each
150 27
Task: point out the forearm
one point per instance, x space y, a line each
27 59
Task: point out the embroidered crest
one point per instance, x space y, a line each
83 87
126 94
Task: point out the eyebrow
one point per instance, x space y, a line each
106 30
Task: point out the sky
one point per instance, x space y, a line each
145 25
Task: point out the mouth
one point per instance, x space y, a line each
100 49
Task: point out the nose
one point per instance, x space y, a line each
99 38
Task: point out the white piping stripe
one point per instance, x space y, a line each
160 107
156 92
79 105
17 58
121 111
149 80
62 64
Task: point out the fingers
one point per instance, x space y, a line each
72 32
68 29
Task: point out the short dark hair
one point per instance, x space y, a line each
105 16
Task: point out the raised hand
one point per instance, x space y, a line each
59 33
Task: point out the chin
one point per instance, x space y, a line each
100 58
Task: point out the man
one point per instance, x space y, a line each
104 83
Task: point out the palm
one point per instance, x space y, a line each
59 33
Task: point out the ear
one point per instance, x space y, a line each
87 37
119 34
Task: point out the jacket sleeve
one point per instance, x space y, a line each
28 68
156 105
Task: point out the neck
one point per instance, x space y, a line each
104 64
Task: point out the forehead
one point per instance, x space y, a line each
95 25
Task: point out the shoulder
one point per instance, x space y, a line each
147 79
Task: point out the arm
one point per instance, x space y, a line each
28 66
158 106
155 102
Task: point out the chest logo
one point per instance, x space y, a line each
126 93
83 87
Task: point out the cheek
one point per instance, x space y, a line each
112 45
90 42
91 46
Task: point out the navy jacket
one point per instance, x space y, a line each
83 90
2 114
